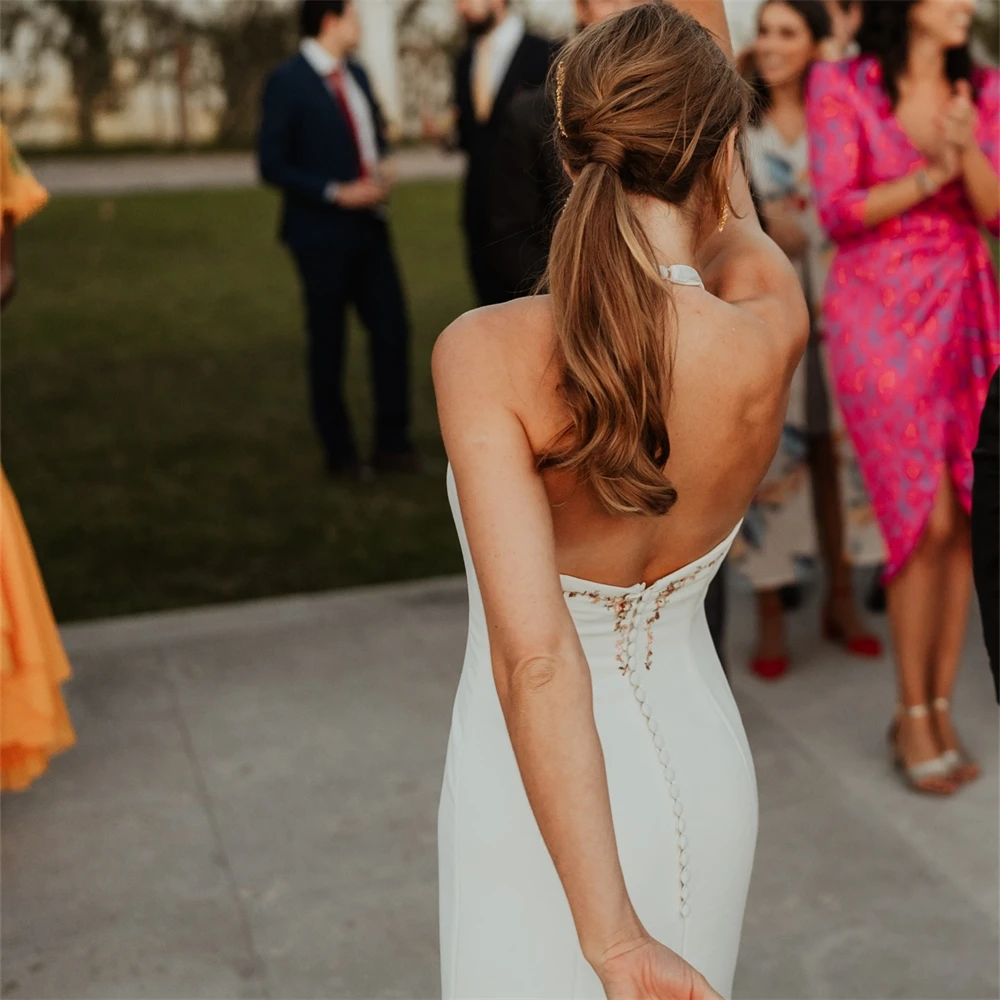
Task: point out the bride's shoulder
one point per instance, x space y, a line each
759 324
759 292
485 342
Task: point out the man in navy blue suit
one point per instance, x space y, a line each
321 142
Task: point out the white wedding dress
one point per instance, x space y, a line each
681 780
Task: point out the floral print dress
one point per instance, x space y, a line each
911 305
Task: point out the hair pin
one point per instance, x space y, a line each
560 80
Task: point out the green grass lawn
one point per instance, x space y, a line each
154 414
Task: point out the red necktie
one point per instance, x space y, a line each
338 86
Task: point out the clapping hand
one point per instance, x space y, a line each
644 969
956 125
959 119
831 49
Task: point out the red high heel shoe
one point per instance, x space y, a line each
869 646
769 668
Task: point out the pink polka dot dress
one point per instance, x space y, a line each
911 305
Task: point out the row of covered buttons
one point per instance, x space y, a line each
664 758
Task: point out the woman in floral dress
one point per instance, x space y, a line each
904 151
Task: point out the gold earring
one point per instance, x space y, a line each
724 218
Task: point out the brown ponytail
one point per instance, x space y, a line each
645 104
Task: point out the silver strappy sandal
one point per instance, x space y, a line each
919 776
962 767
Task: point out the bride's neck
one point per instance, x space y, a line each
668 230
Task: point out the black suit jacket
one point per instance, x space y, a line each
529 187
305 142
986 525
527 69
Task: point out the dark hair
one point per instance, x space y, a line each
312 12
817 20
645 102
885 34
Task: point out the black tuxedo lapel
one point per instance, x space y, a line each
512 79
526 69
463 77
463 99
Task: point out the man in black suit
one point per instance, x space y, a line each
322 139
986 525
529 187
527 183
499 60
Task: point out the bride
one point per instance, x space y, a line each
599 810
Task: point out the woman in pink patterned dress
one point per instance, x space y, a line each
904 155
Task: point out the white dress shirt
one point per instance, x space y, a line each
504 40
361 111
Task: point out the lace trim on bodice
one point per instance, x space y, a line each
640 602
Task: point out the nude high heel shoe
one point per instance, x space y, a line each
931 777
963 768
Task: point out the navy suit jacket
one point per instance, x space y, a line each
305 142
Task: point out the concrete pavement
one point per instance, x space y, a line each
251 809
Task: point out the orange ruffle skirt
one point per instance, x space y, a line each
34 723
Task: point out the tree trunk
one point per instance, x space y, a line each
87 48
183 51
85 111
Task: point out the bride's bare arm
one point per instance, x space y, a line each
542 676
712 14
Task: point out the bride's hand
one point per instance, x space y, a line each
644 969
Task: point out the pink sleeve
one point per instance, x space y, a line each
988 103
834 130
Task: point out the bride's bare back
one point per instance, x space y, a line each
731 372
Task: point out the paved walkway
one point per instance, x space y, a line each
251 812
189 171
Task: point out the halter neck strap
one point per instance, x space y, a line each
681 274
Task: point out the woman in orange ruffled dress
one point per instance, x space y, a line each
34 723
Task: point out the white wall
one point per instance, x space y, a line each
378 53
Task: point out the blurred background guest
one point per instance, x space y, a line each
527 182
321 142
500 59
814 474
904 153
34 723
